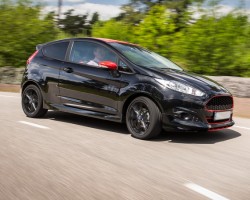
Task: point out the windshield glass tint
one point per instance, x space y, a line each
144 58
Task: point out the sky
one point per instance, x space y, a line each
111 8
106 8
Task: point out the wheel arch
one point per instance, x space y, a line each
132 97
30 82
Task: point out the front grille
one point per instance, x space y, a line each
220 103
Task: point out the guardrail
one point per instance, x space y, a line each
11 75
238 86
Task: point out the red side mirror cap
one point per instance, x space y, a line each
108 64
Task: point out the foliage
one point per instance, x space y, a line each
112 29
178 6
156 31
217 46
135 10
22 28
74 24
212 44
94 18
130 15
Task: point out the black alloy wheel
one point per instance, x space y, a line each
143 118
32 102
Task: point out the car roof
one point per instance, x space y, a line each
106 40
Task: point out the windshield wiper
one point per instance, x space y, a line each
168 68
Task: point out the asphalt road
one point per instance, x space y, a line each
64 156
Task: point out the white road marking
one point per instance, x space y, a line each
205 192
34 125
242 127
9 96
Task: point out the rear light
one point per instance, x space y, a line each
31 57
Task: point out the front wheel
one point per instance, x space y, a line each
32 102
143 118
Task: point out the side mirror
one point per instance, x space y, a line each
108 64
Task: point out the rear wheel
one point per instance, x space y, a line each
143 118
32 102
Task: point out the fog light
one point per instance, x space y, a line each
180 114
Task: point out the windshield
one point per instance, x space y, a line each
145 58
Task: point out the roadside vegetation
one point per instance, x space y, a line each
192 33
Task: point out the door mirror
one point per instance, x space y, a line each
109 64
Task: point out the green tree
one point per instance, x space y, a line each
156 31
130 15
112 29
94 18
217 46
22 28
74 24
134 11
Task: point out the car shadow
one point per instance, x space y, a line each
87 121
173 137
198 137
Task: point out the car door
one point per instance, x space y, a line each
83 85
51 61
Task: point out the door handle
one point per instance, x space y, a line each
68 69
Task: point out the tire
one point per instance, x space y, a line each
143 118
32 102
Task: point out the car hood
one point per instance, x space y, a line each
198 81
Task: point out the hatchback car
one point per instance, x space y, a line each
122 82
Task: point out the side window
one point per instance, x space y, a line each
90 53
81 52
123 67
56 51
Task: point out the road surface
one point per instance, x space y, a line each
64 156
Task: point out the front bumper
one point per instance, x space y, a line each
193 116
172 123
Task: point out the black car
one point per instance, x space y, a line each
122 82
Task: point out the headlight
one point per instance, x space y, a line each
180 87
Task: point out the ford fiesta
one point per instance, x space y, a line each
122 82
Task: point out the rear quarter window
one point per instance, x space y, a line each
56 50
